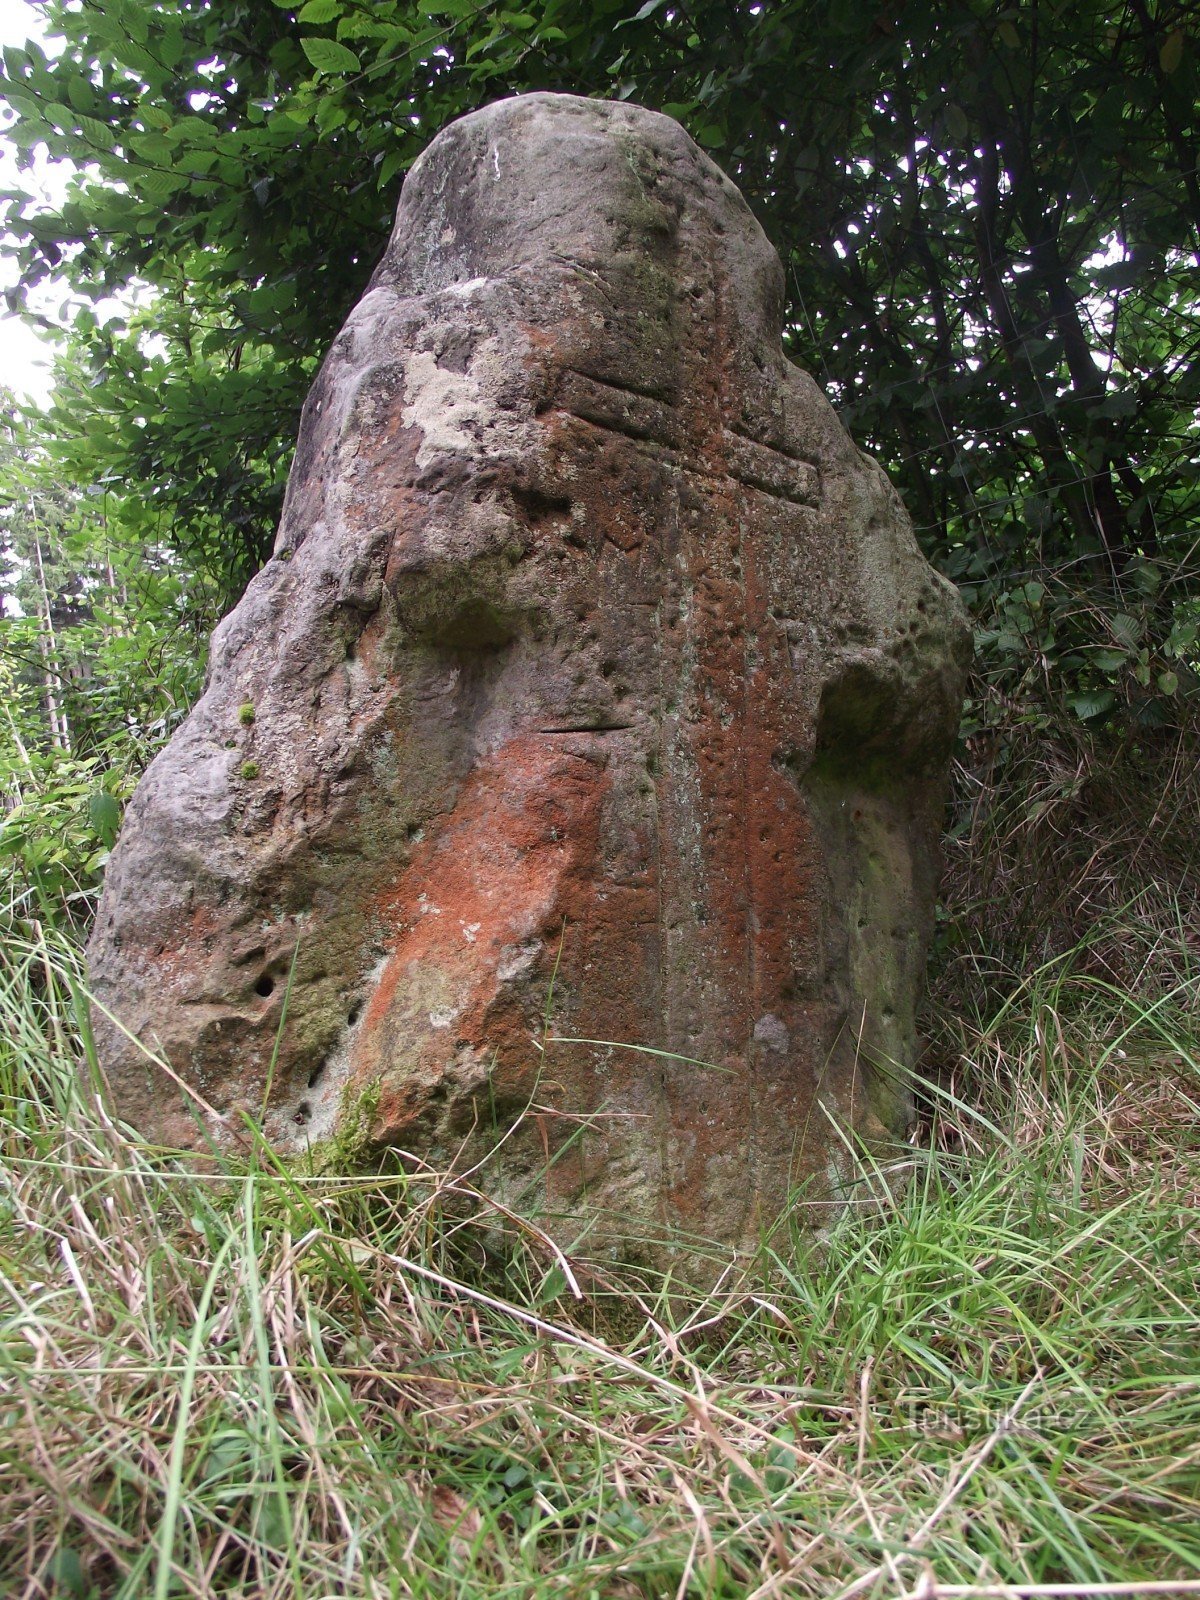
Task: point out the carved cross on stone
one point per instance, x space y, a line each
600 693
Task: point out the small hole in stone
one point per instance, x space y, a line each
316 1074
303 1113
355 1013
265 986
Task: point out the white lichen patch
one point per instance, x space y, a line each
447 407
770 1031
517 961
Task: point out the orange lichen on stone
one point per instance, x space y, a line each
472 911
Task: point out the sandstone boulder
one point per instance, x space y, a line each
596 690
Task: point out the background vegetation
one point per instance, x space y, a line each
990 219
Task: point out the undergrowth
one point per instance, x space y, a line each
1062 840
243 1382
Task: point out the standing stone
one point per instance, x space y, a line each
596 690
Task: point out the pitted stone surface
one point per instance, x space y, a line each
600 693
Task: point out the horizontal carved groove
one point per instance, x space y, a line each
629 427
758 466
592 727
638 393
777 449
794 494
772 471
608 405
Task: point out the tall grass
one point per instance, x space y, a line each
250 1382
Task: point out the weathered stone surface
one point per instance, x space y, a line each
596 677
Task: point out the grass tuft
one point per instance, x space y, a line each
250 1382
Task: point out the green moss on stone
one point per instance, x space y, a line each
246 713
348 1146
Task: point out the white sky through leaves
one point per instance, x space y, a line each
24 355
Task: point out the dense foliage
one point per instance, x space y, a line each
989 215
99 658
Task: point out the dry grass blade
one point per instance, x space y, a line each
256 1383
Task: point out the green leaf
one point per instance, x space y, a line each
1183 636
1168 682
1119 275
19 99
1145 575
66 1572
153 147
552 1288
391 164
81 94
318 11
478 46
1090 703
171 47
97 133
1171 53
330 114
195 130
1122 403
133 21
104 814
158 186
140 61
1109 660
326 55
1127 629
59 116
